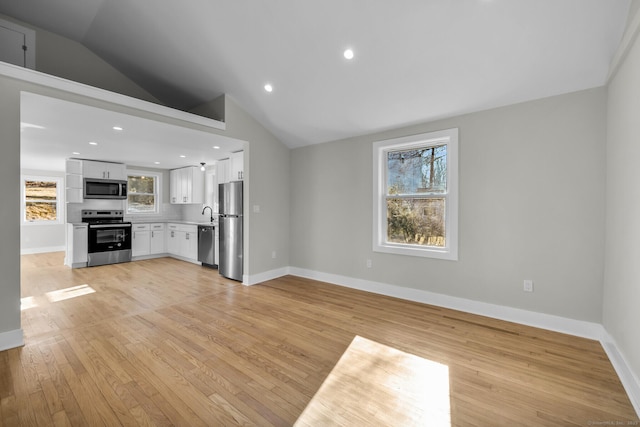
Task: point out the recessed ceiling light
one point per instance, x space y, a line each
93 143
348 54
215 147
75 153
182 156
156 163
268 87
117 128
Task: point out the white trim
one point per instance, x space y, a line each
42 250
11 339
628 38
539 320
629 380
380 148
60 199
36 77
254 279
157 195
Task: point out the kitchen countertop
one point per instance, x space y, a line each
173 221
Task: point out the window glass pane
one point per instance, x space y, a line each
40 190
41 211
142 184
140 203
416 221
417 170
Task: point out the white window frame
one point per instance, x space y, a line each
59 199
157 188
380 150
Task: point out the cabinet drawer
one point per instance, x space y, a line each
157 227
140 227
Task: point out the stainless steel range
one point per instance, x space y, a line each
109 237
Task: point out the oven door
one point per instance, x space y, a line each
109 237
109 244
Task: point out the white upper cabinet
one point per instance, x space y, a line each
231 169
104 170
186 185
237 166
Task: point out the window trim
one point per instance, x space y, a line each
380 148
59 180
157 194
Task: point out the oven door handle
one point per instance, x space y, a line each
110 226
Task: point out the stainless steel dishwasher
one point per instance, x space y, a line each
206 245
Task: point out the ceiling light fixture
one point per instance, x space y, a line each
93 143
202 166
182 156
268 87
215 147
348 54
156 163
117 128
75 153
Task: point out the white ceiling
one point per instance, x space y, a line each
415 60
53 130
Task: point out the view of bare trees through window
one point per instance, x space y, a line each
141 194
415 213
40 200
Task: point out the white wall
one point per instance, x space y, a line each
622 263
531 192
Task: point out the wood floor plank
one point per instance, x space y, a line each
163 342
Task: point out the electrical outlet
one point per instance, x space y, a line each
528 286
273 254
369 263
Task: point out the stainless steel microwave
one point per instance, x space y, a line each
105 189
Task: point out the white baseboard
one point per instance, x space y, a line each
539 320
590 330
254 279
30 251
11 339
629 380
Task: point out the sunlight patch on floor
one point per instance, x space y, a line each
68 293
374 384
27 303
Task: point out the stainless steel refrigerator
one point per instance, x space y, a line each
230 223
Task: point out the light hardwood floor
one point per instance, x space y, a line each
163 342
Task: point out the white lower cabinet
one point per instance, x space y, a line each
157 240
147 239
77 245
182 241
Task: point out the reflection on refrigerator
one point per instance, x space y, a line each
230 223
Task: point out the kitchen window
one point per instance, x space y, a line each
41 200
416 195
143 192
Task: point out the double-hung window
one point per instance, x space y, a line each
143 192
416 195
42 200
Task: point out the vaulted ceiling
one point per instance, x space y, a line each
414 60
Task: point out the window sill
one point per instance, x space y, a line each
424 252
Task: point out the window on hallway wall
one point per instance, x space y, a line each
416 195
42 200
143 192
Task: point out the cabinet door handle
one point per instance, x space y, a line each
172 234
187 236
152 234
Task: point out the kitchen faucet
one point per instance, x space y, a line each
210 210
